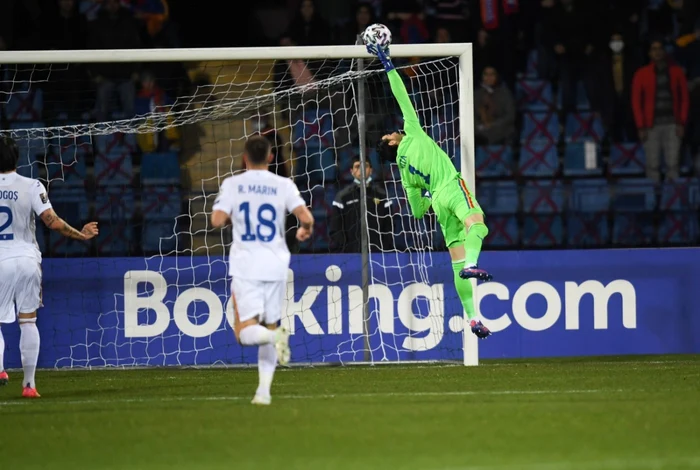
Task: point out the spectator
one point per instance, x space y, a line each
660 103
495 111
406 20
451 14
345 232
308 28
364 16
618 66
151 98
114 28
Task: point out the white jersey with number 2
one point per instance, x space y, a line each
21 200
257 201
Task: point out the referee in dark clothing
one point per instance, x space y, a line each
346 225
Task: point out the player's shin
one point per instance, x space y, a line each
29 350
464 289
472 244
2 352
256 334
267 362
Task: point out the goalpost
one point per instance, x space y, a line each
327 104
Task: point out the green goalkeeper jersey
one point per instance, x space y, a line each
422 163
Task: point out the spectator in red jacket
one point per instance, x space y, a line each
660 104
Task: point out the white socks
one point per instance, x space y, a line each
29 348
255 335
2 352
267 362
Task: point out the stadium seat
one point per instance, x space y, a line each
544 197
161 203
503 232
582 159
115 239
583 126
627 159
534 95
590 196
161 168
679 228
69 202
498 197
543 230
113 169
115 143
538 158
681 194
494 161
114 204
582 101
60 245
24 103
587 217
65 168
634 195
159 237
540 126
632 229
319 165
313 130
29 149
531 65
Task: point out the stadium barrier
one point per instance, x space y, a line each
540 304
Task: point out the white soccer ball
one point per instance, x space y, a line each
377 35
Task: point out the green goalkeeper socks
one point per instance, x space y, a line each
472 244
464 289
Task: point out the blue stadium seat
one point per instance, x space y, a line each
29 149
160 168
60 245
583 126
531 66
582 159
115 239
314 130
319 166
682 194
24 103
114 204
540 126
544 197
534 95
69 202
113 169
679 228
494 161
582 101
498 197
161 203
503 231
115 143
632 229
587 218
159 237
66 168
634 195
538 158
590 196
543 230
627 159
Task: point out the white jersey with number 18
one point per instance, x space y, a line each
257 201
20 199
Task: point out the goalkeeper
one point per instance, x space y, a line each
424 166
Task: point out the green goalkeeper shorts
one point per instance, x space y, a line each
452 205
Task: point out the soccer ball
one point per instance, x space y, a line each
377 35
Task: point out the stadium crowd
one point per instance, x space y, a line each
586 135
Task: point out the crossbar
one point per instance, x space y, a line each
224 53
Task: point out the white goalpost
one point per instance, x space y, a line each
152 177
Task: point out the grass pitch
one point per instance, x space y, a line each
583 414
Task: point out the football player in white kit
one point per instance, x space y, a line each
256 202
20 258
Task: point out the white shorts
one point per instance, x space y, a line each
20 288
262 299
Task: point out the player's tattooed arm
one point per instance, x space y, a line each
54 222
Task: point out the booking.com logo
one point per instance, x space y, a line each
166 304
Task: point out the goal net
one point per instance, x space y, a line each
145 157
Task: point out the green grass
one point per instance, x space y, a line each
607 413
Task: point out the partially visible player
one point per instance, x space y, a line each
424 166
256 202
20 259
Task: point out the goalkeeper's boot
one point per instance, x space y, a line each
4 378
282 346
474 272
261 400
30 392
479 329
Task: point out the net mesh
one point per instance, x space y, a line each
149 174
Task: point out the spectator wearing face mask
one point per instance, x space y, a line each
495 110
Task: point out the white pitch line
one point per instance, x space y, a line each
311 397
619 464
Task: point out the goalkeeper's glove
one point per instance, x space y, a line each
382 53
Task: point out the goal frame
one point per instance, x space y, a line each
461 50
